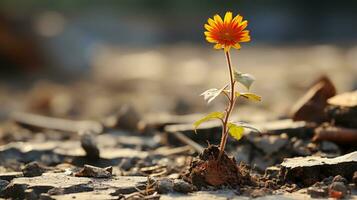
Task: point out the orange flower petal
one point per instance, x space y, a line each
217 46
211 40
228 17
237 46
244 24
238 19
211 22
218 19
208 27
207 33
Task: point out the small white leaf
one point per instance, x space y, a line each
210 94
244 79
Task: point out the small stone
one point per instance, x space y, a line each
96 172
165 186
270 144
328 180
300 148
337 190
127 118
259 192
3 184
33 169
340 178
329 147
272 172
312 147
182 186
242 154
89 145
270 184
317 192
127 163
261 162
30 194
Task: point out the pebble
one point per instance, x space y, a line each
33 169
96 172
272 172
337 190
165 186
89 144
3 184
340 178
318 191
270 144
182 186
329 147
300 148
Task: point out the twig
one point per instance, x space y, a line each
44 122
183 138
173 151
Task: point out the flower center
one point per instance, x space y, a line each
226 36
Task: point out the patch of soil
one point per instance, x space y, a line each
208 170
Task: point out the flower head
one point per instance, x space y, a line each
228 32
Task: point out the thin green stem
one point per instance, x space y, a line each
230 107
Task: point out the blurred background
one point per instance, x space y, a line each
86 58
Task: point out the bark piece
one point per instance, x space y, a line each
40 184
335 134
44 122
96 172
342 109
8 176
152 122
308 170
348 99
311 106
108 194
59 183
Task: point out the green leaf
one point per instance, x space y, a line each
210 94
244 79
249 96
246 125
235 131
213 115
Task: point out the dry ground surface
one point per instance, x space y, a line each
124 130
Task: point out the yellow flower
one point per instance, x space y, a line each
227 33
